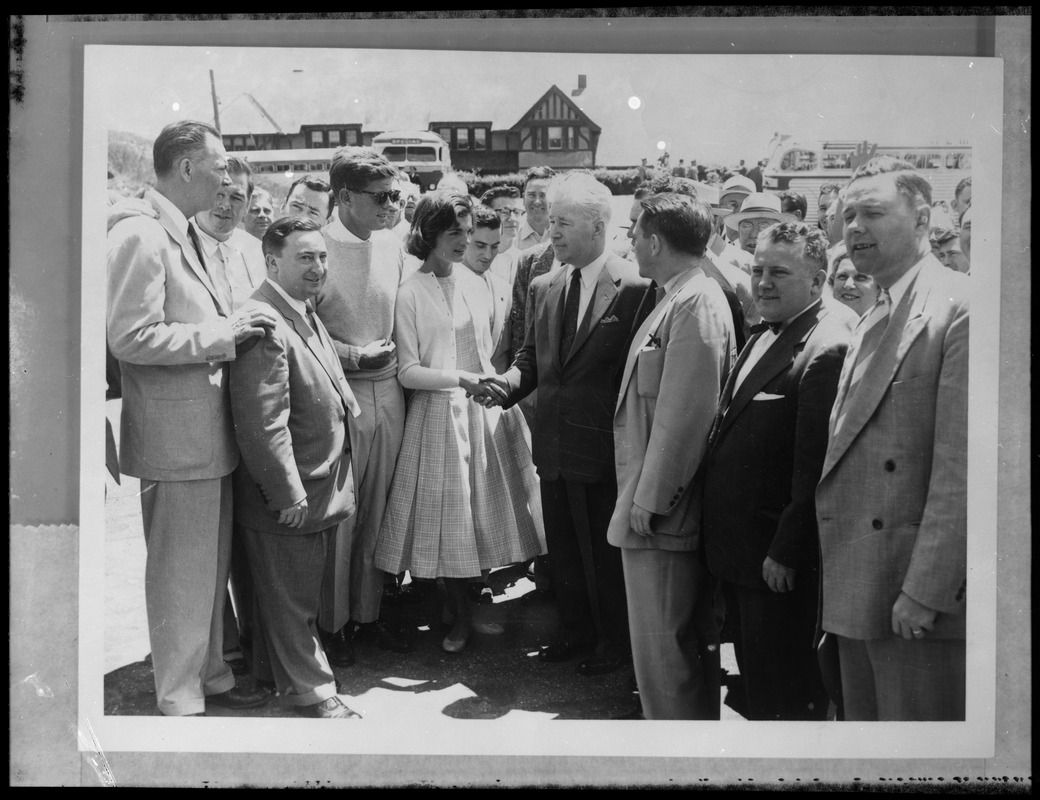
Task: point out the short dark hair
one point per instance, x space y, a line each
281 229
436 212
541 173
965 183
666 183
239 166
356 167
829 188
909 182
791 202
177 140
484 217
814 240
684 222
315 184
496 192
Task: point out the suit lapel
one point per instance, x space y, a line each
605 291
554 298
774 361
905 325
191 255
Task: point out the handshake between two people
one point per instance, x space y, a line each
488 390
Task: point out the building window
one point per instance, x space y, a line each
555 137
334 138
462 138
480 138
445 134
317 139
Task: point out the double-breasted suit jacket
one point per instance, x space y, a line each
892 497
767 449
290 403
678 361
572 433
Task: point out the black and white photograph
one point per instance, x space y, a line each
483 414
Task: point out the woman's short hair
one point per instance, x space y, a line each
436 212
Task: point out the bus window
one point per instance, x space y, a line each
832 160
964 161
798 161
933 161
395 153
422 154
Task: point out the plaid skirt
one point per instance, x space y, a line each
465 496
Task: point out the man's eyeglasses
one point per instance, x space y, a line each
748 225
381 197
506 213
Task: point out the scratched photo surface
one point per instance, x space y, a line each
716 109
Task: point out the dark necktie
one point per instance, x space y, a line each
570 314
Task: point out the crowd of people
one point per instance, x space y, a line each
732 426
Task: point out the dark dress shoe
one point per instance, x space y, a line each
601 664
240 697
566 649
333 708
381 636
340 649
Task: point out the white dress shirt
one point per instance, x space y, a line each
763 343
589 275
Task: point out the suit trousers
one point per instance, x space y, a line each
187 531
288 571
675 638
569 509
354 590
773 635
238 604
900 680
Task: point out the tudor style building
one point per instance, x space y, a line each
554 131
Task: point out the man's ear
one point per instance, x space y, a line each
185 169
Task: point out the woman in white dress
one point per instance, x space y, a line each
464 498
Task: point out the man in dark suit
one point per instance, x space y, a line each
892 498
290 402
580 318
765 455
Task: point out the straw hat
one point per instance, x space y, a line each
759 205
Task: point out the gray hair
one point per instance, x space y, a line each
583 191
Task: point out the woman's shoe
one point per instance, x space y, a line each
455 645
479 626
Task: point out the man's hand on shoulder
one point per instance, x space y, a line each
250 321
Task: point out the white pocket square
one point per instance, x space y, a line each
767 396
606 320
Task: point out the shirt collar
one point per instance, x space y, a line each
525 232
175 213
297 305
676 282
898 289
209 243
590 272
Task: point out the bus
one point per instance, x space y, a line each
804 167
424 155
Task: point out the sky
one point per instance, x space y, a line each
715 108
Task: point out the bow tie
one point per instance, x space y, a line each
762 327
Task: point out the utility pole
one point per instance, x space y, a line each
216 110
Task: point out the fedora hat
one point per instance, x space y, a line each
737 184
759 205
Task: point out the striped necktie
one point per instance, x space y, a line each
873 329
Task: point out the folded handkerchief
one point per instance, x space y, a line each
611 318
767 396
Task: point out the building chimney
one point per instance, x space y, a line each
581 86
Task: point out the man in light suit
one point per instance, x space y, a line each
670 386
173 332
891 502
580 319
763 464
290 403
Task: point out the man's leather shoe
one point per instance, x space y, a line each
340 648
240 697
381 636
601 664
565 649
333 708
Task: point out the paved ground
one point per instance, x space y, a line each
495 675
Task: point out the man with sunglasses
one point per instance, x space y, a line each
357 307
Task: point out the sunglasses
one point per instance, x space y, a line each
381 197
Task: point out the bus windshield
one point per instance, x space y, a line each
399 153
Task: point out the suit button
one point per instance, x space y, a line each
878 524
890 466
